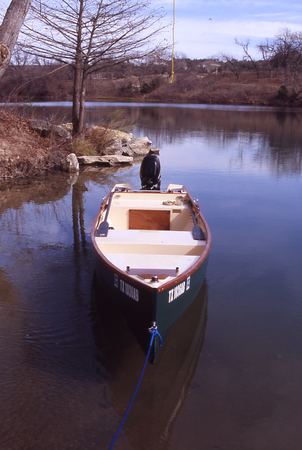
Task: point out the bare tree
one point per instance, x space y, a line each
91 36
232 64
9 30
266 56
284 52
247 54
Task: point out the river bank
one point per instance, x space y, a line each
31 147
25 153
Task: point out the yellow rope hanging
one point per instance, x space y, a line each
173 45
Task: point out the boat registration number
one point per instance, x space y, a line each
126 288
178 290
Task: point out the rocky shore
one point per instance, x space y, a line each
33 147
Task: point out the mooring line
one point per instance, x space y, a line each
154 332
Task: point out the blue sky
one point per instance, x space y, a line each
206 28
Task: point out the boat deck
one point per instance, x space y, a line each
150 235
144 254
152 211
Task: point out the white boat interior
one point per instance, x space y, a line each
150 235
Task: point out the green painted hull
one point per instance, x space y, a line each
142 306
167 312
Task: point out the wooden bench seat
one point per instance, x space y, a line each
149 237
147 242
151 263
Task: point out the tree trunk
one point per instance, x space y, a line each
78 100
9 30
78 75
82 102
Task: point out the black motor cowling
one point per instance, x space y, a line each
150 172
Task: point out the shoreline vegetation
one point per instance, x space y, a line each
30 147
86 61
220 88
33 147
212 81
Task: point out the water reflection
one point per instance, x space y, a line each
269 137
48 377
39 191
62 353
67 366
121 356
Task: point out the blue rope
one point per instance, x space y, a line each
154 333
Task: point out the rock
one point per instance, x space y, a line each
140 146
140 152
122 136
45 129
40 126
121 143
73 163
116 148
105 160
60 131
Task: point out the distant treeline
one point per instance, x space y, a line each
273 79
44 81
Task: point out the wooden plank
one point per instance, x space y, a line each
146 219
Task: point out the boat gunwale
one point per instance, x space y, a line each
140 284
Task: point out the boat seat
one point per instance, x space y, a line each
159 242
149 237
143 263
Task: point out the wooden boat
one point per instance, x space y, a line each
152 249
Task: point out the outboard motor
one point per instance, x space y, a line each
150 172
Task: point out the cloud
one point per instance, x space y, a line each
209 27
204 38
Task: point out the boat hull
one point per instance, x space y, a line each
152 249
143 307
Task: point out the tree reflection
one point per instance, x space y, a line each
278 131
276 134
78 221
40 191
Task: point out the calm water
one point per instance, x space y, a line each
229 375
